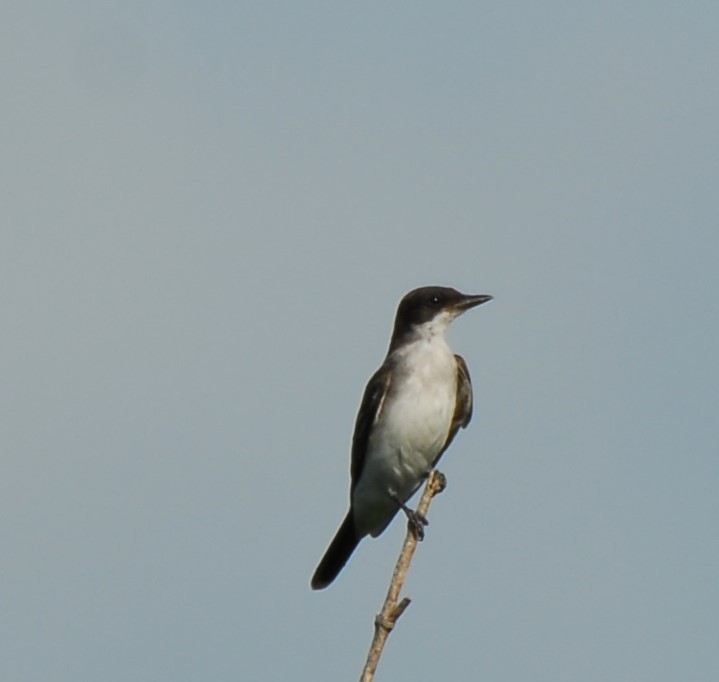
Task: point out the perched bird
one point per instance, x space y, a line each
412 408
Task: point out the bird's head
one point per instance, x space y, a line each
429 310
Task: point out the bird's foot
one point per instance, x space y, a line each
416 523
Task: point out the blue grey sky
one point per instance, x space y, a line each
209 213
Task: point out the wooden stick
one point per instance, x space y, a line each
393 608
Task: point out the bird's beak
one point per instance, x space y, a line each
471 301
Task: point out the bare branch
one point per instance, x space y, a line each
392 608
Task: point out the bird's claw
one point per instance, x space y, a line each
416 523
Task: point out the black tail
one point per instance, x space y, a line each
337 554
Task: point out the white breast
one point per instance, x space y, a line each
417 421
411 429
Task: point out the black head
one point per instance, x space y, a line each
422 306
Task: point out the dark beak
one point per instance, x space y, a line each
471 301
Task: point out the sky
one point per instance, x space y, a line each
209 214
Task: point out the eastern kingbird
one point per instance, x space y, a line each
412 408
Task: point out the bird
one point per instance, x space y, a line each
411 410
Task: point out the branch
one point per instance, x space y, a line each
393 608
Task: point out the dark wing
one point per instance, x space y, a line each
462 408
369 410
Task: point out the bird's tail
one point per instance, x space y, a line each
337 554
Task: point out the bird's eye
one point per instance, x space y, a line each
434 301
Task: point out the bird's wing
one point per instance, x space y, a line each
369 411
463 406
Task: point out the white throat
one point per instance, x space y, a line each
436 327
